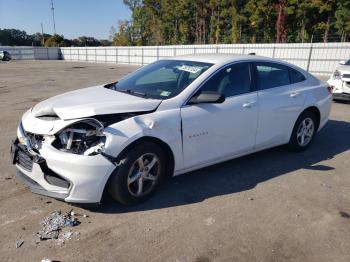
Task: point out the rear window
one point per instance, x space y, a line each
269 75
295 76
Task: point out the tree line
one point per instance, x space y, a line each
17 37
167 22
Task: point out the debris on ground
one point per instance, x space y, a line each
19 243
325 185
344 214
54 223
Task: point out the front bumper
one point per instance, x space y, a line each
341 96
65 176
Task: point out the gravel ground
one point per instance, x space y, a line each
269 206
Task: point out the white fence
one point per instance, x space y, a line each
33 52
318 58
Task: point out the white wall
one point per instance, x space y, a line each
33 52
318 58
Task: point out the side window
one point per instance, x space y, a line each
269 75
295 76
230 81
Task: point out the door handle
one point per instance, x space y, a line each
249 104
294 94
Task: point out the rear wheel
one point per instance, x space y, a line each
303 132
140 172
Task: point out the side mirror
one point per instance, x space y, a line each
342 62
207 97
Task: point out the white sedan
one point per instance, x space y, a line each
167 118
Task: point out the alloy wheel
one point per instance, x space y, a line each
143 175
305 132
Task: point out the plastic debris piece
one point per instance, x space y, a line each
54 223
19 243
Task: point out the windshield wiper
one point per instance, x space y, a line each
132 92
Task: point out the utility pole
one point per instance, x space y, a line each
42 35
53 17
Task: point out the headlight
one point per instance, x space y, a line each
83 138
336 75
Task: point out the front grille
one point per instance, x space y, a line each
24 159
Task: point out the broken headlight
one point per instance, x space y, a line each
83 138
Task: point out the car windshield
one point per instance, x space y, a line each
162 79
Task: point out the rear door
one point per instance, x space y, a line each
281 99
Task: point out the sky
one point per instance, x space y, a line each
73 18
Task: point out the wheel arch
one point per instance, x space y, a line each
315 111
165 147
312 109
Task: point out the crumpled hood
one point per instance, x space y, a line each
91 101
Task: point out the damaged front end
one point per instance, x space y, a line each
69 160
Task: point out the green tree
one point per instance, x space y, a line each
342 19
122 37
55 41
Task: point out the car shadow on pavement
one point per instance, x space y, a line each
243 173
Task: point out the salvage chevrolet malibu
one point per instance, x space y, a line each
167 118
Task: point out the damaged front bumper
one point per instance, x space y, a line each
51 172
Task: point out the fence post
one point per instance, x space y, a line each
116 55
195 50
273 52
47 53
157 53
309 59
105 54
86 54
129 55
217 49
174 51
95 55
141 55
243 49
78 54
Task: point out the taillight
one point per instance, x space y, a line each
330 89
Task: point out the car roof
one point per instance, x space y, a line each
222 58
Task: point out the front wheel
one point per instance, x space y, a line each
303 132
138 175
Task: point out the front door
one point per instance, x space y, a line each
216 131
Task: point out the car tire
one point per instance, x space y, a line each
303 133
145 162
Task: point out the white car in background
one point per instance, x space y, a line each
340 81
167 118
